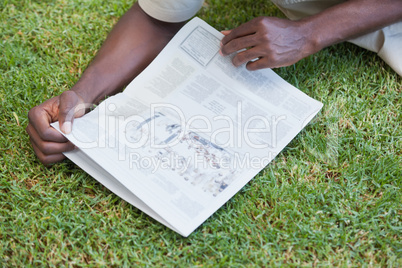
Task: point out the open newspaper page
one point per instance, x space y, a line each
190 131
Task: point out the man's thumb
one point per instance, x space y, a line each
68 110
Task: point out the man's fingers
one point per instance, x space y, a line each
226 32
48 147
71 106
48 152
258 64
239 44
243 30
47 159
246 56
39 122
68 101
47 142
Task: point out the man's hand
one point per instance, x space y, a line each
268 42
132 44
274 42
47 142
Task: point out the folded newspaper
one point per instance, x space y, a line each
190 131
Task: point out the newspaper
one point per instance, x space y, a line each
190 131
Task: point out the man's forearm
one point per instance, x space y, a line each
351 19
132 44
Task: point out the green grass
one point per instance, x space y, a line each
331 198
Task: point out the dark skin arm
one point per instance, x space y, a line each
281 42
127 50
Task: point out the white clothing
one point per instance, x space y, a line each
387 42
171 10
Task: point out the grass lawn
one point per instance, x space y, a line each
331 198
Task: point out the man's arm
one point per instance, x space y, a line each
132 44
279 42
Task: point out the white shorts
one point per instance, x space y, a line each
387 42
171 10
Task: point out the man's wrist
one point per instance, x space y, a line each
91 87
313 40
